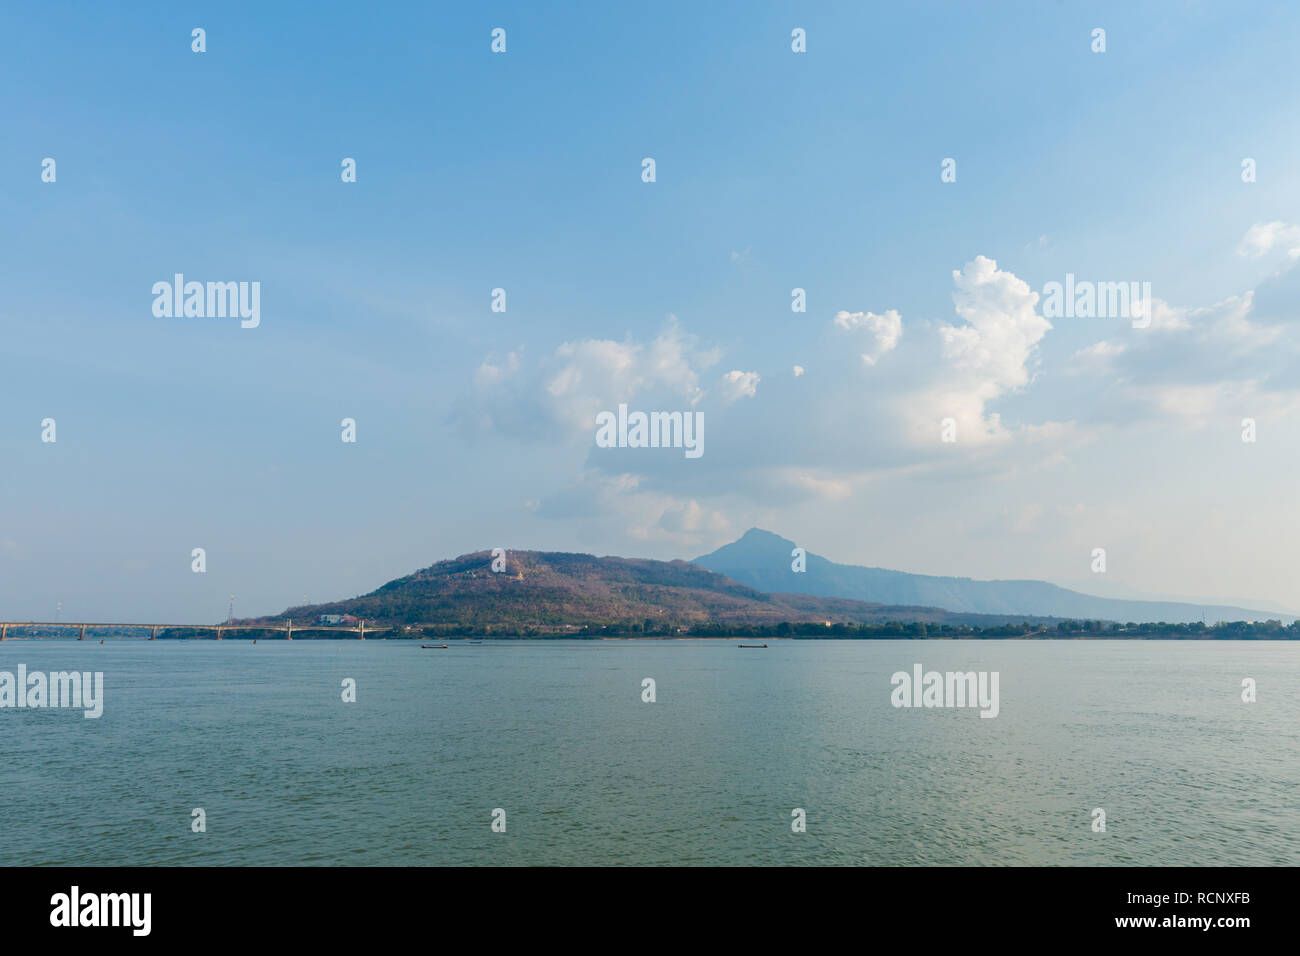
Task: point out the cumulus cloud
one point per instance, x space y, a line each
1003 328
864 419
992 354
1196 366
561 395
873 413
736 385
877 334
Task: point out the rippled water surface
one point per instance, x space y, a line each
556 733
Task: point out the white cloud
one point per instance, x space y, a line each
881 332
982 360
563 393
736 385
994 348
1263 237
857 424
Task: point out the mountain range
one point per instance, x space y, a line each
750 582
548 591
763 560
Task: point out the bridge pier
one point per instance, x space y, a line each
83 633
218 633
4 629
363 630
288 631
153 632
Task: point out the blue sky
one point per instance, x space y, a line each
522 170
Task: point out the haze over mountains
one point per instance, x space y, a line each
762 560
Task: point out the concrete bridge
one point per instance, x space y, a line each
287 627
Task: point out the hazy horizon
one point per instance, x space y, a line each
1081 587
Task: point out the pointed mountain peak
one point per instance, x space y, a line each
754 543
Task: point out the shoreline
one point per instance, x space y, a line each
787 639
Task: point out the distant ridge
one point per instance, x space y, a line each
762 560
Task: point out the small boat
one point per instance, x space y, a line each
434 647
752 645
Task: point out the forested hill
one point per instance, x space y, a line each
557 589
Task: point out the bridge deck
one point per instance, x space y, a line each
287 627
